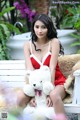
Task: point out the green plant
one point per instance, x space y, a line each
67 16
72 18
76 43
5 32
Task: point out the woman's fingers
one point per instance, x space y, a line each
32 102
49 102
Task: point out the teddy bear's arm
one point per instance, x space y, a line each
28 90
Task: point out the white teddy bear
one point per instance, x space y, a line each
39 87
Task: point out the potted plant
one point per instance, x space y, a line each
71 18
72 21
5 32
75 24
67 21
77 36
76 43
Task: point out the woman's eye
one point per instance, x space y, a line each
43 27
37 26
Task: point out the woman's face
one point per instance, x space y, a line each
40 29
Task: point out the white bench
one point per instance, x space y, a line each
12 74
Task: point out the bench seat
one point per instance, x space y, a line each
12 74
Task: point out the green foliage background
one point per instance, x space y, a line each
5 32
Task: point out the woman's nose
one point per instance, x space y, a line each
40 30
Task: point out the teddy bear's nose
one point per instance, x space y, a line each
34 85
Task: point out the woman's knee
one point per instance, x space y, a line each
55 98
22 99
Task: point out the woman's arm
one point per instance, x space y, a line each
27 56
55 48
28 65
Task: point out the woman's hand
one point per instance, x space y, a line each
49 102
32 102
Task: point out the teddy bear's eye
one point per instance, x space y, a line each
40 81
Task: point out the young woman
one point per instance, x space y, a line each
44 49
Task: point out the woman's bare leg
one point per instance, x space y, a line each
56 96
23 99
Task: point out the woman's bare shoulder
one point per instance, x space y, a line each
55 45
27 44
55 41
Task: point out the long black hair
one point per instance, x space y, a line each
46 20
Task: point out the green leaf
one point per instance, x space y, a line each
76 36
12 28
6 30
75 44
6 10
78 52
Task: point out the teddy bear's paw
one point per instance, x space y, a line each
47 88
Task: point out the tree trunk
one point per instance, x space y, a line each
13 18
41 6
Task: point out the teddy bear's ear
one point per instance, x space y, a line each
44 67
28 72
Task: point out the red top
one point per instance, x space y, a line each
59 77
